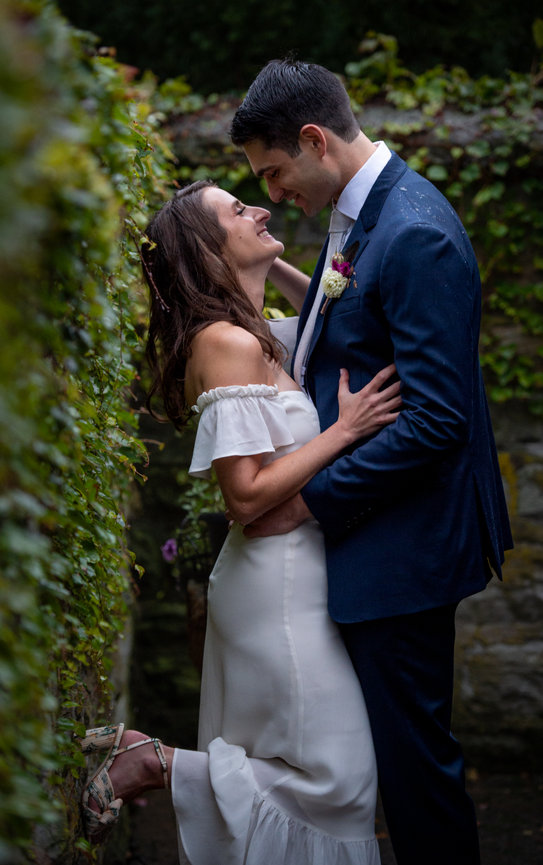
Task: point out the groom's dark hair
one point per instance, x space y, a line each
287 94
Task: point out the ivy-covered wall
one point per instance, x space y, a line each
79 160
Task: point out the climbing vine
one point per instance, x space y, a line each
79 155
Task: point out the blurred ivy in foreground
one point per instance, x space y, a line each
79 154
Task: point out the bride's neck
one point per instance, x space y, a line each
253 283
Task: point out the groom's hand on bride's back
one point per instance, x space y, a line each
279 520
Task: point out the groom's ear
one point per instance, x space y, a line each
313 138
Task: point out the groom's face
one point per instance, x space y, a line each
301 178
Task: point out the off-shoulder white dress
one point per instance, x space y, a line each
285 774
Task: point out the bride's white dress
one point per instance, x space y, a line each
285 774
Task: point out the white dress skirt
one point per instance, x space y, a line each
285 772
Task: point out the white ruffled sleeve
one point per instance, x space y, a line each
238 421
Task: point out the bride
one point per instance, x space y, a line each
285 771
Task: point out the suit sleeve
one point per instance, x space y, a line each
430 295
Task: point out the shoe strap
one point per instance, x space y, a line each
159 752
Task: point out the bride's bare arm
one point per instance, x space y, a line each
250 488
290 281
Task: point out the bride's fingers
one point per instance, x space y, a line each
382 377
343 380
383 404
393 416
392 389
374 399
375 386
394 399
393 404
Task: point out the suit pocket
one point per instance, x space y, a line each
343 305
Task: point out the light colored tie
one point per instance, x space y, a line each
340 226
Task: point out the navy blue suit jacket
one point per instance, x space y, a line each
413 515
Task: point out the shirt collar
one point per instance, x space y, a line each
354 195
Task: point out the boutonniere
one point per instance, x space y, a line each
336 278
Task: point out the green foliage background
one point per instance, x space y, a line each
220 45
493 175
84 158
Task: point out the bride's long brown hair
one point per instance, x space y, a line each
191 285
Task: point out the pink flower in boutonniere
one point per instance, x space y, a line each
336 278
343 267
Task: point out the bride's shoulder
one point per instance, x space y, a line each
226 337
224 354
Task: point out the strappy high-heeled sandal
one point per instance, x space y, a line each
98 824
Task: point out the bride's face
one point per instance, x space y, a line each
249 242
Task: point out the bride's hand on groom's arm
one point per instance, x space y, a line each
376 405
360 414
279 520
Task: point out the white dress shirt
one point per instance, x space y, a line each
349 204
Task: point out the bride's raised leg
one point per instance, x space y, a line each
134 763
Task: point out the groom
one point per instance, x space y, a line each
414 517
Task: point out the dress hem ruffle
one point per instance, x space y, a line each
234 822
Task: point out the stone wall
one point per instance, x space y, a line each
499 693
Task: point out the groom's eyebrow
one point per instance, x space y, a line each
262 171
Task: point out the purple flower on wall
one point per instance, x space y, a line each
169 550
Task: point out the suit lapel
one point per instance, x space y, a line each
356 242
371 209
380 190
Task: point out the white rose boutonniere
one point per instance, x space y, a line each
336 278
